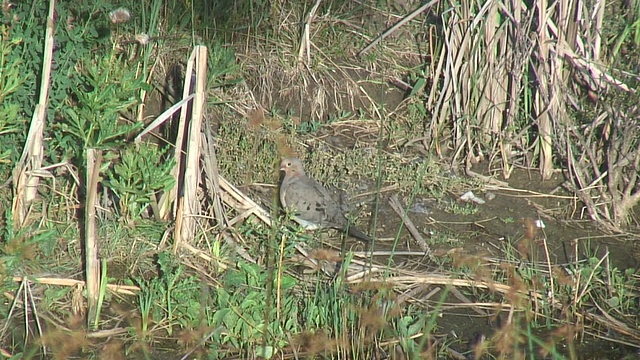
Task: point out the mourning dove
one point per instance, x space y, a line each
311 204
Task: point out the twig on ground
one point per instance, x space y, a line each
399 209
395 27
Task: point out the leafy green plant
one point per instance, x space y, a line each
109 87
18 247
508 220
311 126
456 208
82 28
630 34
222 66
12 123
139 175
172 297
308 127
409 326
180 293
149 293
244 310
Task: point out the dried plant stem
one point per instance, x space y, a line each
92 263
212 175
395 27
399 209
415 279
305 43
543 96
188 205
178 155
25 183
549 269
119 289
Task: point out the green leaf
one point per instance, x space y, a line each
266 352
415 328
613 302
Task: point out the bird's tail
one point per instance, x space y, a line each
353 231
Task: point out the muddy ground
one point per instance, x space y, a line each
535 218
508 219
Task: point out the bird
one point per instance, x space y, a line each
311 204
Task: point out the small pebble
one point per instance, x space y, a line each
470 196
420 208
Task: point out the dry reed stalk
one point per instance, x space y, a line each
162 118
305 42
167 199
25 183
92 263
607 321
486 53
212 175
447 70
183 123
466 97
188 205
28 303
119 289
492 99
240 201
521 47
416 278
548 100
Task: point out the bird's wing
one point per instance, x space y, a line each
311 202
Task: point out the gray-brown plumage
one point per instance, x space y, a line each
311 204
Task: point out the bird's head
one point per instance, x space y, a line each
291 167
